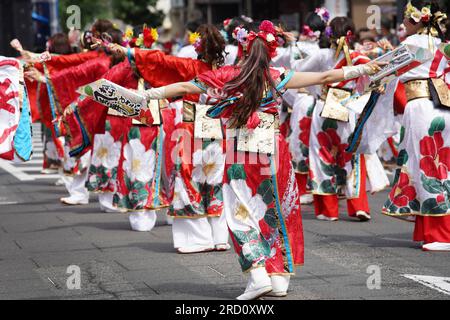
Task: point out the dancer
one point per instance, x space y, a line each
260 192
304 103
333 171
197 204
422 179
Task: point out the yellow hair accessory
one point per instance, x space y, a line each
193 37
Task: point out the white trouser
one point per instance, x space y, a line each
199 232
67 180
142 220
106 201
76 186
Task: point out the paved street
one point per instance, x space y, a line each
40 239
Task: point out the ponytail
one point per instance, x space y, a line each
212 45
255 79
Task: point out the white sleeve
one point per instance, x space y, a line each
313 63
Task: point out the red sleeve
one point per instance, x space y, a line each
64 83
400 99
159 69
92 115
218 78
44 105
32 88
61 62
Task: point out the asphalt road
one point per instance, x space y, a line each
40 240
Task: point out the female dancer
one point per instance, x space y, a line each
260 193
304 103
422 180
197 203
333 171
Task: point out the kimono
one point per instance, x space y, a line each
334 171
421 186
195 167
301 117
49 110
195 195
260 193
62 91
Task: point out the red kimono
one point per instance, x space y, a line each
260 193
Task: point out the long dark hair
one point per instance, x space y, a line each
315 23
434 8
339 27
59 44
213 45
116 37
255 78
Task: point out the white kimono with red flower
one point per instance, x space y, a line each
301 117
422 183
332 169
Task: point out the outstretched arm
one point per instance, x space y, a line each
172 90
306 79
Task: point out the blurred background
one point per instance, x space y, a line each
33 21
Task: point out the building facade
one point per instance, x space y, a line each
291 12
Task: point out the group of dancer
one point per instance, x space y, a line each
237 133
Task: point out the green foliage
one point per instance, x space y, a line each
90 11
133 12
136 12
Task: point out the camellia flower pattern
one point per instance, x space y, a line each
106 152
429 194
331 165
435 161
209 165
199 170
137 170
301 120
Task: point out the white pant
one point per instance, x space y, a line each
76 186
106 201
199 232
142 221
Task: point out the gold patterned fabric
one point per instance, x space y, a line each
417 89
333 108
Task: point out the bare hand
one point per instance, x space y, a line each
385 45
114 47
33 74
376 66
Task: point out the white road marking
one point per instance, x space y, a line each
441 284
34 161
5 203
16 172
44 176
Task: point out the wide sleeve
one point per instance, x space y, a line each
314 63
159 69
216 79
66 61
65 83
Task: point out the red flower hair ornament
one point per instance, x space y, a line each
266 32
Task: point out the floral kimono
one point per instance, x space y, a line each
333 170
142 174
48 106
422 182
199 167
120 162
301 117
260 194
62 93
197 172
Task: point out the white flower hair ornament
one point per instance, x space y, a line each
324 14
